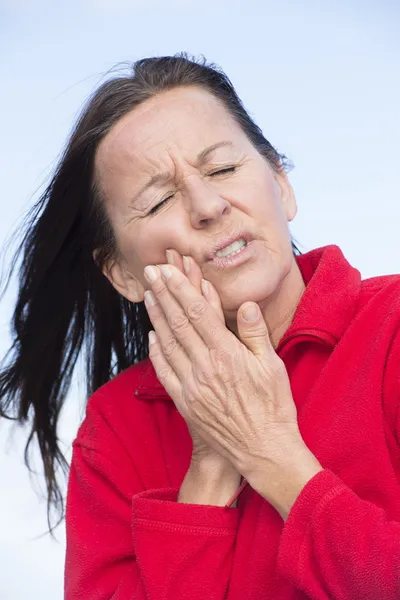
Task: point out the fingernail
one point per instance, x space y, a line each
149 298
166 271
186 264
250 313
170 257
152 337
205 288
151 274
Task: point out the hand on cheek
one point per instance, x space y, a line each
188 266
233 392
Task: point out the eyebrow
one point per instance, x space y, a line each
164 177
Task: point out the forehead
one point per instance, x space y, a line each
188 119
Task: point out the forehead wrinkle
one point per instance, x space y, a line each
162 177
130 153
131 141
123 146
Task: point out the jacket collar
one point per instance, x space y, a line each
326 308
330 299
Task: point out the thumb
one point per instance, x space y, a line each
253 331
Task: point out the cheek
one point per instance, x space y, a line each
258 190
146 245
263 202
270 203
132 253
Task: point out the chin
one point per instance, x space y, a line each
253 291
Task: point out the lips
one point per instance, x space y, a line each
226 241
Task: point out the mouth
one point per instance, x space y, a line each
229 246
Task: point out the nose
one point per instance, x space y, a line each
206 206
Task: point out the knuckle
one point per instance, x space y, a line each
222 359
225 364
163 375
177 285
205 366
203 372
256 333
158 287
170 347
179 321
218 334
223 355
192 387
196 310
154 351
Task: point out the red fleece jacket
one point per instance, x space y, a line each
129 539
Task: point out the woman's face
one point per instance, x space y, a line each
178 172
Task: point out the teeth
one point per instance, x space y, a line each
231 249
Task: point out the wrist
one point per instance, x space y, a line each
282 485
209 483
213 467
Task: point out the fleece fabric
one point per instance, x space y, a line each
129 539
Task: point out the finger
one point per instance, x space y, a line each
205 321
165 374
189 266
172 350
174 258
253 331
169 311
193 272
195 276
211 294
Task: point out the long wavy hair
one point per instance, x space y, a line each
65 305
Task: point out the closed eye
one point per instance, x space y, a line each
159 205
223 171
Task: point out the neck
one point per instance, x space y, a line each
279 310
279 313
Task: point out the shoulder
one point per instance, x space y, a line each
380 292
391 385
380 302
124 385
379 307
114 407
130 423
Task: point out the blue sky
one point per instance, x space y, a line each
322 82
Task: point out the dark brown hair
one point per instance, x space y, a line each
65 305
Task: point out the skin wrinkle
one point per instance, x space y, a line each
167 132
180 179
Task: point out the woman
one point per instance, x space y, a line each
252 450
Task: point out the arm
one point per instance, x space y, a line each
336 546
124 543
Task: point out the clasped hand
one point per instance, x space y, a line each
233 392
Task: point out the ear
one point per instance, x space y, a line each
287 195
123 281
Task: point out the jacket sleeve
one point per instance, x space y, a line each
336 546
125 543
